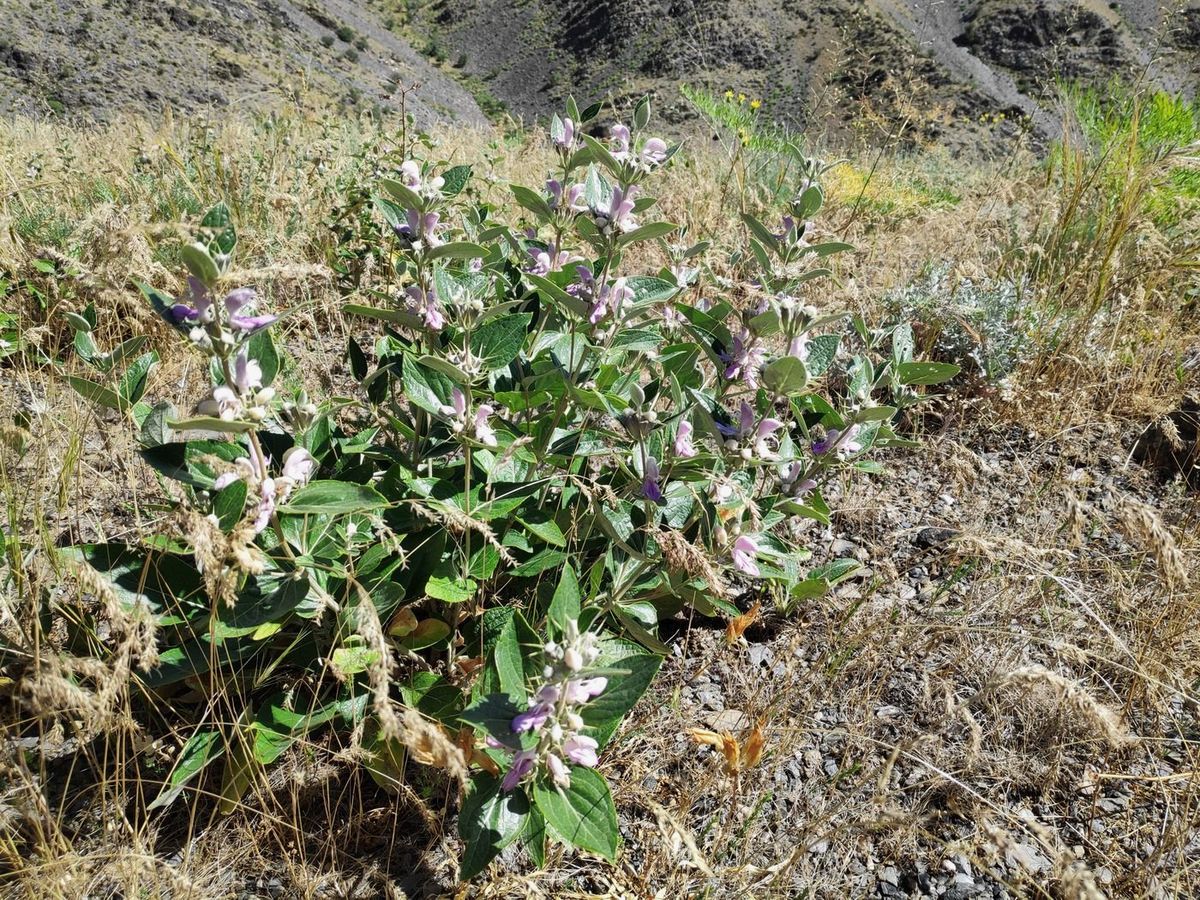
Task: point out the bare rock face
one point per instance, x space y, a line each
1048 38
90 59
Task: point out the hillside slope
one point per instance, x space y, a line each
937 65
91 58
963 72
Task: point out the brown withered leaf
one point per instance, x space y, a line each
738 625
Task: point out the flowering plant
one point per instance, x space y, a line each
466 565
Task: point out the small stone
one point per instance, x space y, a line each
889 875
732 720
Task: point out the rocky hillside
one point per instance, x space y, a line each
92 58
950 70
933 66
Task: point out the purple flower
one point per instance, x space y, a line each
532 719
844 442
198 310
420 228
683 440
650 488
425 304
744 549
620 210
581 750
410 173
522 765
242 300
745 359
654 152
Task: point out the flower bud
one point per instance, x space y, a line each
573 659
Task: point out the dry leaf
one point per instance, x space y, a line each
754 746
738 625
725 742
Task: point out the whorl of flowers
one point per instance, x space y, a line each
554 712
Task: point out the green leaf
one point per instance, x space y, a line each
925 373
201 749
403 193
334 497
567 601
490 820
604 713
531 200
647 232
542 526
96 393
229 504
641 113
450 589
499 341
155 431
210 423
133 382
347 661
392 316
760 231
509 660
454 180
200 263
786 375
822 350
649 289
261 347
494 714
539 562
582 815
217 228
457 250
425 387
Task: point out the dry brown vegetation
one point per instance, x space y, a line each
1008 692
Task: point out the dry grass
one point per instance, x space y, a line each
1022 695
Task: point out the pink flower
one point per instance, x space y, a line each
581 750
798 347
683 440
744 549
522 765
654 152
483 431
745 359
620 136
581 690
266 505
558 770
247 373
298 465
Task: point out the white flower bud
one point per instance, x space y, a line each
573 659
